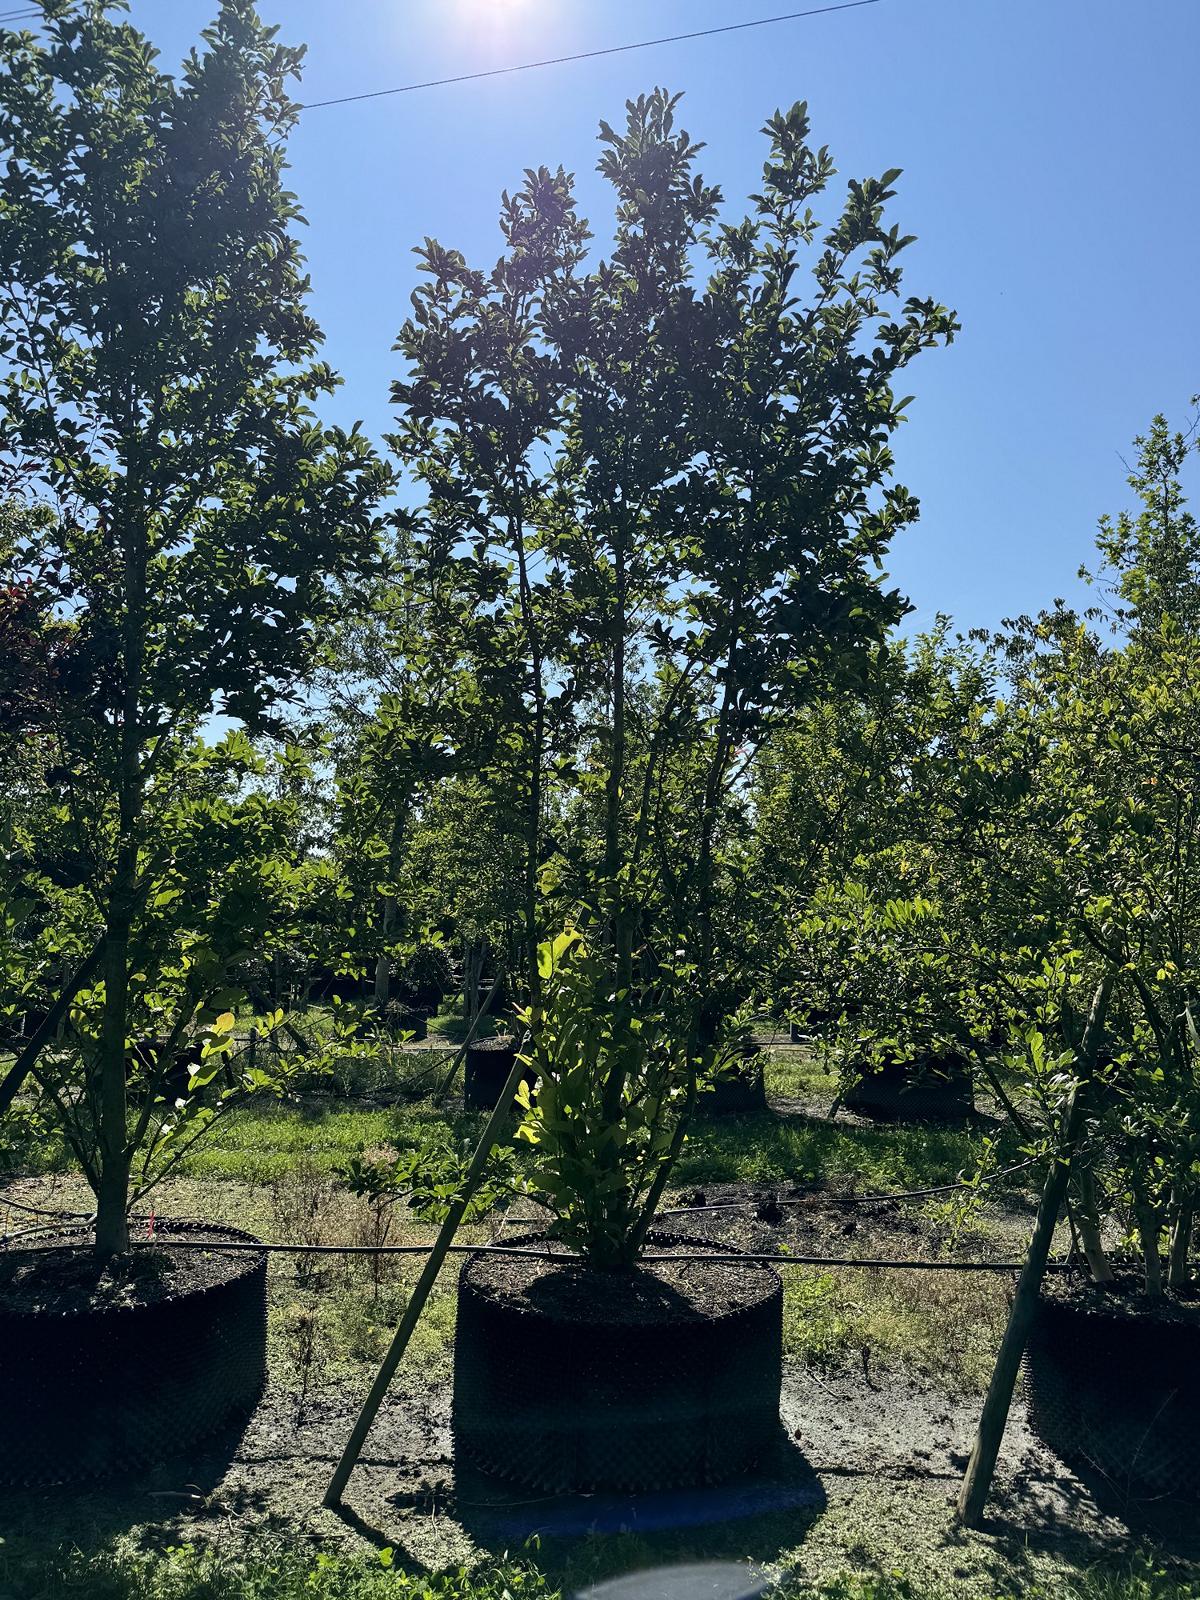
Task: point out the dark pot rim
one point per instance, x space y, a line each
246 1263
610 1278
1121 1304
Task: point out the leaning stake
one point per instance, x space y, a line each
982 1465
416 1304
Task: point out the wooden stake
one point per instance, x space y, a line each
981 1468
420 1294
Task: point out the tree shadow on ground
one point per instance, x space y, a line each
585 1537
89 1515
1092 1514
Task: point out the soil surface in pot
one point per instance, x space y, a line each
1125 1298
653 1292
40 1276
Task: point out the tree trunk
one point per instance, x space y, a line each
1179 1261
1087 1216
992 1420
383 963
472 966
1148 1236
113 1155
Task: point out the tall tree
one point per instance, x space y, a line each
160 373
672 467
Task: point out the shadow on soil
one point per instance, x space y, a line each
767 1514
89 1515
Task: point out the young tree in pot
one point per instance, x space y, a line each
688 481
1065 830
158 389
682 475
1114 727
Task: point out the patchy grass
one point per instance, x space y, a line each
260 1143
939 1325
278 1572
771 1148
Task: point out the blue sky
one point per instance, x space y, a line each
1049 172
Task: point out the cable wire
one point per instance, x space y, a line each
585 55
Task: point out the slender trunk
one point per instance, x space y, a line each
383 963
472 966
1179 1259
616 890
614 788
977 1480
1087 1216
114 1154
1148 1237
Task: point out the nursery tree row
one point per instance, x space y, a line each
587 679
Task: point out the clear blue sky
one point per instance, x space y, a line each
1048 149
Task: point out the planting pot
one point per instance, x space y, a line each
486 1070
737 1091
929 1089
329 985
397 1017
572 1379
186 1059
1112 1381
90 1391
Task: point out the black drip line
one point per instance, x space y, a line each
768 1258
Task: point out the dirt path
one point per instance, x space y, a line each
864 1479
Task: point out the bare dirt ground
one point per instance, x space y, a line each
865 1477
868 1463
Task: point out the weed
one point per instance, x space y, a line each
300 1201
305 1345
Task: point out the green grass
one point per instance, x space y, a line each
259 1143
190 1572
772 1148
944 1326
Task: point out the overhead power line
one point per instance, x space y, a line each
587 55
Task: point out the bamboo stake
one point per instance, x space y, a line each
420 1294
977 1481
26 1060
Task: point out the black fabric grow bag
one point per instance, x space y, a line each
925 1090
568 1405
90 1393
486 1070
740 1091
1115 1391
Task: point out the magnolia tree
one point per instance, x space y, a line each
664 478
159 376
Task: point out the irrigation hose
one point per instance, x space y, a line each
857 1199
766 1258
